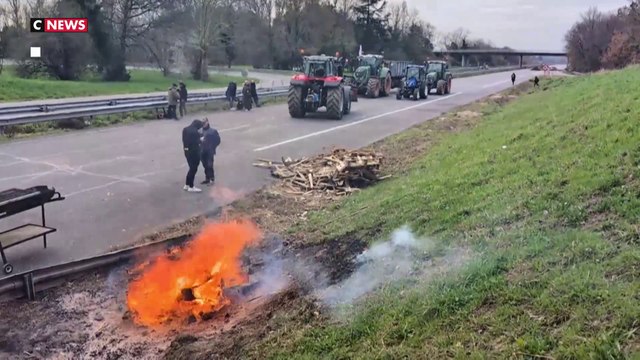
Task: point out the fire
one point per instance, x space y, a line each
191 280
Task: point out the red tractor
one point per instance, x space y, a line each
320 84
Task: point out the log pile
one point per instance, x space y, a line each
341 172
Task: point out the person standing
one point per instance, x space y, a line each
232 89
246 96
172 100
254 93
513 79
183 99
210 142
536 82
191 145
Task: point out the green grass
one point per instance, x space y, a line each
546 192
13 88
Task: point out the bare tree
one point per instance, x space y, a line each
206 20
588 40
14 13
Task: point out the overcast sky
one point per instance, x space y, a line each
520 24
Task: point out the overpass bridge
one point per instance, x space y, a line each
502 52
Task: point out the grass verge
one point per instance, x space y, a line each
13 88
545 191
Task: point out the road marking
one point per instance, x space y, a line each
351 124
495 84
234 128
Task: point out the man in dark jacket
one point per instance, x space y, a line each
536 82
513 79
210 142
246 96
183 99
254 93
191 144
172 100
231 94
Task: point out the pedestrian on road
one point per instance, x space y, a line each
232 89
183 99
246 96
536 82
210 142
513 79
254 93
172 100
191 145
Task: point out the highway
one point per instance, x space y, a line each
123 182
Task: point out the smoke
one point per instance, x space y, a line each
383 263
404 256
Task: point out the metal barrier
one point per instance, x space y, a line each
18 115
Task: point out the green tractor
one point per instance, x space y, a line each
372 77
439 77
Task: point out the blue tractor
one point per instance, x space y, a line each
414 83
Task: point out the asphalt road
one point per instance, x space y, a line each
126 181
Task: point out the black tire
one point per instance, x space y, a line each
428 90
440 87
373 88
386 89
7 268
415 95
423 95
335 103
347 104
295 102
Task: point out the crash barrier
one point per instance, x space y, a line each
27 114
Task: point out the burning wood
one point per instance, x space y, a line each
191 281
341 172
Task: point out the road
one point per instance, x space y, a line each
123 182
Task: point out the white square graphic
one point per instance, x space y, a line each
35 52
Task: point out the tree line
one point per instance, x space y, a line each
605 40
190 35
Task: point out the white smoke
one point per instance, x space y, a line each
384 262
404 256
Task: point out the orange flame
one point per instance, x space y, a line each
203 268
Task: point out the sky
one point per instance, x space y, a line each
519 24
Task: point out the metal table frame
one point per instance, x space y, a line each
36 230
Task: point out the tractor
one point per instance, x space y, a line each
414 83
321 84
372 77
439 77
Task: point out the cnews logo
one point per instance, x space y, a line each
69 25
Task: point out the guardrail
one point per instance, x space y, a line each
28 283
19 115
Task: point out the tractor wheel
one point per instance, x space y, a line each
428 90
415 95
399 94
347 105
295 102
387 86
440 88
335 103
373 88
423 95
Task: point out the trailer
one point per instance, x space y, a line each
397 69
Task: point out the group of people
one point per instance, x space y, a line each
200 142
536 80
177 95
249 96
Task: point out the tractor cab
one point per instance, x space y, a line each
373 62
414 83
320 66
415 72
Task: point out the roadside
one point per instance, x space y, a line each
13 88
